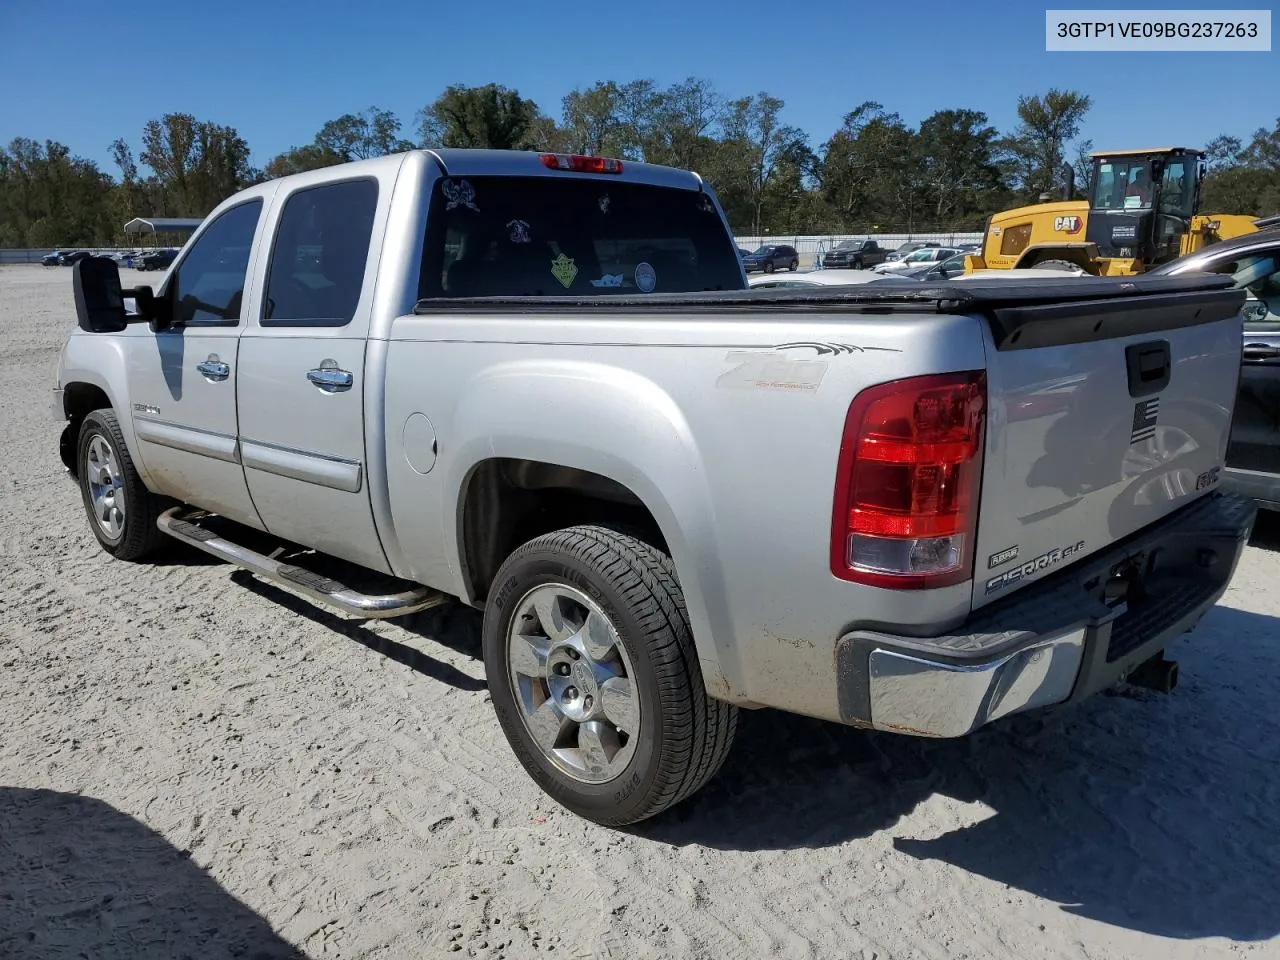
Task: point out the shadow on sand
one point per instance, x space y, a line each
80 879
1156 813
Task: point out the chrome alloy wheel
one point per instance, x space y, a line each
106 486
573 682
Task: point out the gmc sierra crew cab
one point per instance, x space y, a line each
539 384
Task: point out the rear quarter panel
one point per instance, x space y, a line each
728 430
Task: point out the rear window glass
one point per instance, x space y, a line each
576 236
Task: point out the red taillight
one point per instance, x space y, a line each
581 164
906 497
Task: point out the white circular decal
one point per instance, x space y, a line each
646 278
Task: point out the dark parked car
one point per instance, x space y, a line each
63 258
155 260
1253 449
855 254
771 257
952 266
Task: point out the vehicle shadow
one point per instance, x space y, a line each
79 878
451 624
1266 531
1149 812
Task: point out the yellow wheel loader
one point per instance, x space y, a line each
1142 210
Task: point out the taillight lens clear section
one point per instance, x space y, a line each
907 482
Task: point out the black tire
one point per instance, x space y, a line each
139 537
684 734
795 265
1056 265
768 266
857 264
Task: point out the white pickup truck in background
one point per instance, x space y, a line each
540 385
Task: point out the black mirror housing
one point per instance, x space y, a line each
95 283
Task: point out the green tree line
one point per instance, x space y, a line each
875 173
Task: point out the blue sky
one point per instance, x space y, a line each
277 71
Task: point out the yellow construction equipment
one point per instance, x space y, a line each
1142 210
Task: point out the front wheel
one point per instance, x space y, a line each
768 266
122 511
595 679
795 265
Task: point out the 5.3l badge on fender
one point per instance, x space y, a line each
1042 562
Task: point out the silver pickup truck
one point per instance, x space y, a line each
539 384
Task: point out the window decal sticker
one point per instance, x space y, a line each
608 280
459 193
564 269
646 278
519 231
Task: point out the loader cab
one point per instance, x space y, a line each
1141 202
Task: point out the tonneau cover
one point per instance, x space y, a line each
946 297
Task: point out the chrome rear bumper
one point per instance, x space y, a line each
1061 639
912 695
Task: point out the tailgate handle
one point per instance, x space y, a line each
1149 367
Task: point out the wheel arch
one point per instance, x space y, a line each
619 450
1083 255
92 375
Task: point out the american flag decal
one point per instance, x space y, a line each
1144 420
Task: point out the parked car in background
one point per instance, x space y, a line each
64 258
952 266
155 259
771 257
1253 448
855 254
923 257
911 246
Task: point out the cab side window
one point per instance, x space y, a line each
208 286
319 255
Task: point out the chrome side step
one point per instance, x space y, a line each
181 523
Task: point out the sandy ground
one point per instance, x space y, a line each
196 764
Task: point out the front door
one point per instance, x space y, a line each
1255 424
182 379
301 382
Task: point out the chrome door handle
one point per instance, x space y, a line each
214 369
330 379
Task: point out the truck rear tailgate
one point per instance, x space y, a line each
1108 409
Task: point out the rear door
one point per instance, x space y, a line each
182 379
302 371
1103 417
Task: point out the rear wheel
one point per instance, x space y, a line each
795 265
122 511
595 679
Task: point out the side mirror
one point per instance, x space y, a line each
102 306
95 283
